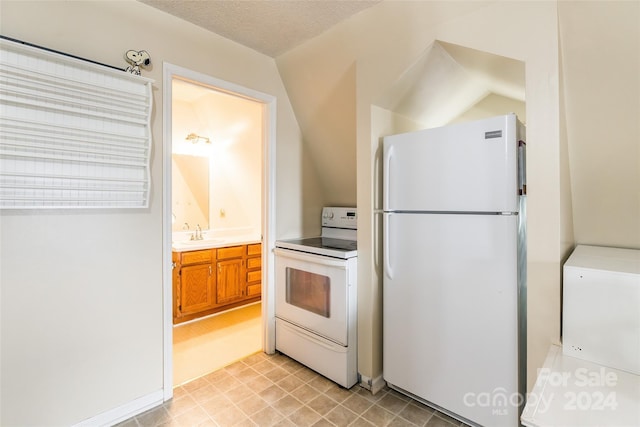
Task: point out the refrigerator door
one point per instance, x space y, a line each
468 167
450 312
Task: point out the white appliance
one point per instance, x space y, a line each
594 378
316 297
454 320
601 305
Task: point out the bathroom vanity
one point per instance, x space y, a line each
207 281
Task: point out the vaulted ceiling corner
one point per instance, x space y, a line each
267 26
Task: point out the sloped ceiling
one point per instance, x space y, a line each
443 83
269 27
448 80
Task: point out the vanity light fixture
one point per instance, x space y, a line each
195 138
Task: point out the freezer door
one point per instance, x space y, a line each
450 312
470 167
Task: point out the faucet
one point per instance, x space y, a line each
197 235
185 226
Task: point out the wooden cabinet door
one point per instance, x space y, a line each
254 271
229 281
175 278
196 293
254 277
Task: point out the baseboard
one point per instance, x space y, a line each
124 412
373 385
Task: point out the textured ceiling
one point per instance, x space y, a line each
271 27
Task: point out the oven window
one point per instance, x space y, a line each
309 291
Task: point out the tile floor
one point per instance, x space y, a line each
274 390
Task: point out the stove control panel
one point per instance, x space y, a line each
338 217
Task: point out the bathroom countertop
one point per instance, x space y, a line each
215 242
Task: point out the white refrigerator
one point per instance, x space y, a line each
454 282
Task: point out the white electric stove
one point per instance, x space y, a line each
316 297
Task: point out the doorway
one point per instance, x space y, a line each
218 129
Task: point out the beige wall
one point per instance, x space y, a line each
81 308
236 176
493 105
600 52
584 161
386 40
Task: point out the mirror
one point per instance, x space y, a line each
190 184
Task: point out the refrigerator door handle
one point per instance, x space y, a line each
522 168
386 173
385 250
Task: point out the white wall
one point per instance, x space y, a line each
81 309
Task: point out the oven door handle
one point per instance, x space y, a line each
315 259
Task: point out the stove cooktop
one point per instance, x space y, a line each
327 246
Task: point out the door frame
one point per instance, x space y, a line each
268 207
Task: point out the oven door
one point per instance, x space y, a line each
312 292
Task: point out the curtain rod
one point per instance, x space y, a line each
60 53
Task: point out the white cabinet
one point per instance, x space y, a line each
601 306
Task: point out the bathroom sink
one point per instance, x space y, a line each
201 242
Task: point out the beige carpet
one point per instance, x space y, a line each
207 345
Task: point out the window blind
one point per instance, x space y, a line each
73 134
